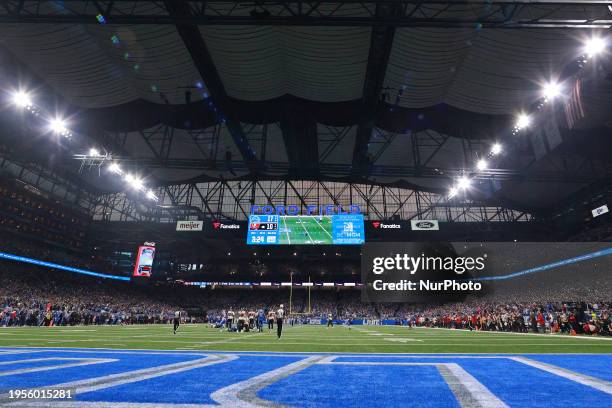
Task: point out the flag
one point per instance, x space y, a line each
574 111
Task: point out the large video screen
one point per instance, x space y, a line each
342 229
144 261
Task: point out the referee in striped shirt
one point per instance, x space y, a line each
280 315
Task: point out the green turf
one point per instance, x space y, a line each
305 230
383 339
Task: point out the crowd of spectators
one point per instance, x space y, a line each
26 211
31 296
44 298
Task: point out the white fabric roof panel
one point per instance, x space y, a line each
326 64
487 71
82 63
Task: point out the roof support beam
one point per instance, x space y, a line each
192 38
381 41
300 136
431 13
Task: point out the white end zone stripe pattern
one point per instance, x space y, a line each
466 388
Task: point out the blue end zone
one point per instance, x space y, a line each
193 386
358 386
314 383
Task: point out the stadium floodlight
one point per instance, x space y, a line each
464 183
551 90
114 167
482 164
137 183
58 125
22 99
496 149
93 152
594 46
151 195
452 192
522 121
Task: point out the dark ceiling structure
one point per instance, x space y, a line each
394 93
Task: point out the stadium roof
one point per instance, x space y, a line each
397 92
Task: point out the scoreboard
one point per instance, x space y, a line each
341 229
263 229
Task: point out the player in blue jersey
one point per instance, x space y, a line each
261 318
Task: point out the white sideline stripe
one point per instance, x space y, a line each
32 360
142 351
376 363
4 352
478 391
102 404
117 351
228 396
602 385
82 362
557 336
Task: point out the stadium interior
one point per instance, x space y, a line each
194 194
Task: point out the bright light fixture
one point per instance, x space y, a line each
137 183
482 164
151 195
523 121
93 152
22 99
452 192
58 125
463 183
594 46
551 90
114 167
496 149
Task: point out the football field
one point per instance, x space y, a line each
311 366
313 338
297 230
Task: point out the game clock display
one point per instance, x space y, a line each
345 229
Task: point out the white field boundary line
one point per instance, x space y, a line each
601 385
108 350
102 404
480 332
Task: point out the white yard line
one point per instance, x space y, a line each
323 228
305 230
286 230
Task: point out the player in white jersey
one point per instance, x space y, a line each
280 315
271 316
230 319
